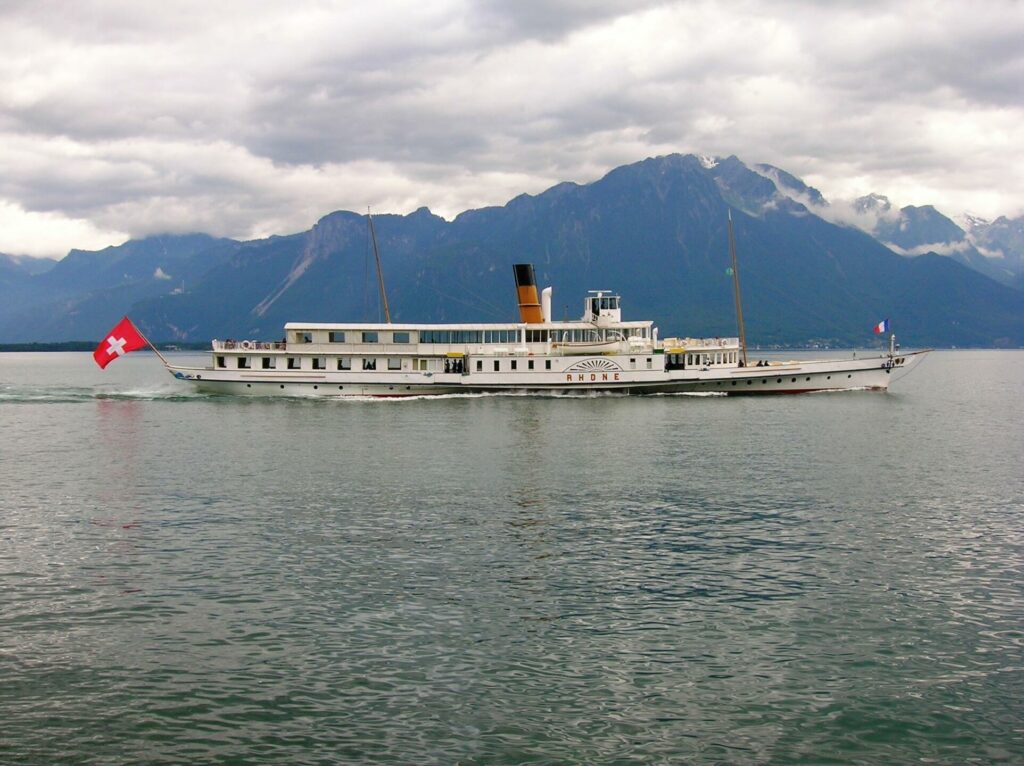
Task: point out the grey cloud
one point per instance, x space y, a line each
246 115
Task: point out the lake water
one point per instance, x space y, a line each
827 578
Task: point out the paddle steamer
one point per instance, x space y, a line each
599 352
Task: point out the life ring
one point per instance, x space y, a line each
246 344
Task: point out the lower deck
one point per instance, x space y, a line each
597 374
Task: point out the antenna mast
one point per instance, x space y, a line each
736 290
380 273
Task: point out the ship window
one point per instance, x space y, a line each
529 364
497 365
220 361
401 337
293 363
479 365
547 364
394 363
336 337
632 364
514 364
650 362
319 363
243 363
269 363
419 364
461 336
499 336
305 337
370 337
345 363
369 364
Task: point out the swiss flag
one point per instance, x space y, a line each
119 341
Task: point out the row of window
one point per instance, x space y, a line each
474 336
765 380
393 363
319 363
469 336
705 359
369 336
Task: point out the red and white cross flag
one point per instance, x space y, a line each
119 341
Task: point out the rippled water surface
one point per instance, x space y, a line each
833 578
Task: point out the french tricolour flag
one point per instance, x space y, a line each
881 327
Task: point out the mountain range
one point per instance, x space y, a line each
654 231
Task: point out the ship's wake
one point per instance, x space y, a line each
17 394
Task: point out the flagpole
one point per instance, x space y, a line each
736 289
150 344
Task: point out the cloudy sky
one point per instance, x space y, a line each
244 118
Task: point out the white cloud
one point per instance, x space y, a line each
42 235
939 248
256 117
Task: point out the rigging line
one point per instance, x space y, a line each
494 308
380 271
488 310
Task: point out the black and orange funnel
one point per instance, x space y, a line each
530 311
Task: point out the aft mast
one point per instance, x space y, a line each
736 290
380 272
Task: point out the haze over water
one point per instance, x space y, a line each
828 578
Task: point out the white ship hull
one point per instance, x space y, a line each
875 374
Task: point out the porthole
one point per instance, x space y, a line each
750 382
734 382
779 380
808 377
315 387
829 378
340 388
248 385
849 376
199 377
282 385
792 380
408 388
764 380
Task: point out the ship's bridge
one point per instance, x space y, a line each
601 307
